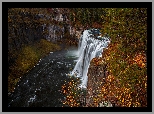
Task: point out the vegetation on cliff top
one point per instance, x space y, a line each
126 56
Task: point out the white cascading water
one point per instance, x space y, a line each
89 48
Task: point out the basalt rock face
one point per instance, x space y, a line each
91 46
19 37
27 32
96 79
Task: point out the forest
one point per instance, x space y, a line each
125 57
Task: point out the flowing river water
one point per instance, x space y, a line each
41 87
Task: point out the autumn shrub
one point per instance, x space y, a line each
125 57
73 92
130 71
126 81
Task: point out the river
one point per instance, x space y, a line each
41 87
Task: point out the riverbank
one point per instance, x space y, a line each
41 86
27 58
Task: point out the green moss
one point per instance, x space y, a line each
27 58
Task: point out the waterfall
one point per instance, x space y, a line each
90 46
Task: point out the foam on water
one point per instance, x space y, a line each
89 48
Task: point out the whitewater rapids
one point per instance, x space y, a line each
90 46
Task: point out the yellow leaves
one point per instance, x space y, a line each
137 104
125 71
119 97
122 100
103 89
107 58
123 94
110 78
143 65
97 61
129 95
145 85
140 60
64 89
69 89
129 104
126 90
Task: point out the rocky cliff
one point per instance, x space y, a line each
28 25
98 76
96 79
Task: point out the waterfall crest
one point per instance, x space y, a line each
90 46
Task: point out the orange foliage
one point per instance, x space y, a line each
97 61
113 92
71 97
140 60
